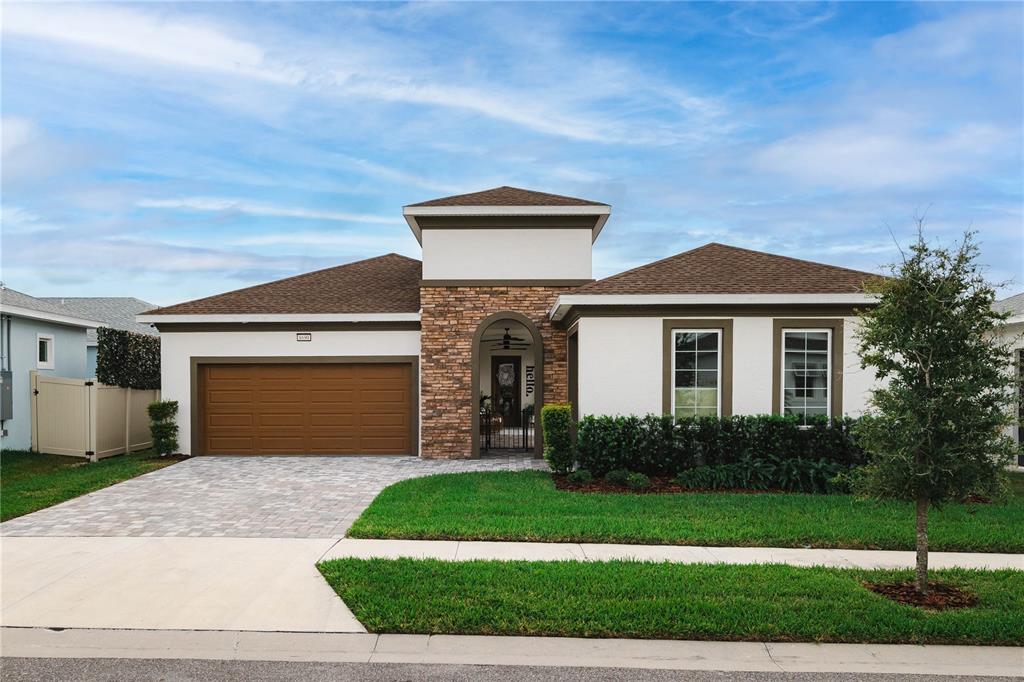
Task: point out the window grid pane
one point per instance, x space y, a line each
805 378
696 373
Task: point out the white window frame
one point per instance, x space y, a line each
719 333
828 375
51 349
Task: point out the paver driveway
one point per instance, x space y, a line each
212 543
242 497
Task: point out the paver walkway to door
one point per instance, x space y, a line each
242 497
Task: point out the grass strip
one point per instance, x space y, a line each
667 601
525 506
30 481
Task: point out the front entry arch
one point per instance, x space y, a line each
477 356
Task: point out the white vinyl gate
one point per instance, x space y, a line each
84 418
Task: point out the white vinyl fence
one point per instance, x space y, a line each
85 418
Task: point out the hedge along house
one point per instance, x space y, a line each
455 355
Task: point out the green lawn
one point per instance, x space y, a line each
30 481
667 601
525 506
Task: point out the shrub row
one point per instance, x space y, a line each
661 446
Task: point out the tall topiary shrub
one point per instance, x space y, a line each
127 359
163 426
556 420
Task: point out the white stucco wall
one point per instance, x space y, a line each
1013 334
178 348
620 366
516 254
69 362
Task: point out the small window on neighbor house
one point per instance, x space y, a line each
806 372
44 357
697 370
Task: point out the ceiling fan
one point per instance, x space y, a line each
508 342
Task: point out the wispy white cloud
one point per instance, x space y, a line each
148 35
14 219
193 43
221 205
881 154
362 242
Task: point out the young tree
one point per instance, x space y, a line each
934 425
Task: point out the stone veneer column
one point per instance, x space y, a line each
450 317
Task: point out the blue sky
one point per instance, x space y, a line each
170 151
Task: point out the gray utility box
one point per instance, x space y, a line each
6 396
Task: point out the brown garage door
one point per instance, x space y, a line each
337 409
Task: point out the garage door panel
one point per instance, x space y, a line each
370 421
306 408
226 419
229 397
332 419
231 443
375 395
335 445
339 396
297 419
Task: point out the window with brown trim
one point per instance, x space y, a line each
807 367
697 361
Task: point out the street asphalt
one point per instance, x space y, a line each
186 670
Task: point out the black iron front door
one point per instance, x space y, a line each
506 389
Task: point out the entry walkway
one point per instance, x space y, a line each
450 550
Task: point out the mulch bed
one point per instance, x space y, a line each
659 485
939 597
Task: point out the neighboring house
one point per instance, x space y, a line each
36 334
117 312
1014 334
392 355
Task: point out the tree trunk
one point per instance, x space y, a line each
922 544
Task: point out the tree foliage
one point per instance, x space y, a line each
934 428
127 359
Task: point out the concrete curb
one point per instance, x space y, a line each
527 651
452 550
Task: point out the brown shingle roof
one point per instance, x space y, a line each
720 269
508 196
385 284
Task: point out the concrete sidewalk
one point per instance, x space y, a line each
169 583
518 651
452 550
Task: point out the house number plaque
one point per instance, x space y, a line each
303 336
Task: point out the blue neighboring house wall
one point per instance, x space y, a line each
23 319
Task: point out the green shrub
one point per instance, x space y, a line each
662 446
127 359
619 477
795 475
163 426
556 420
580 477
638 481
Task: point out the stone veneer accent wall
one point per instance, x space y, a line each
450 317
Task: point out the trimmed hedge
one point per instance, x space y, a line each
163 427
658 445
556 420
127 359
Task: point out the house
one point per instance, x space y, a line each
38 335
448 356
117 312
1013 333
